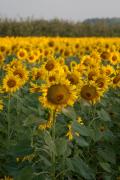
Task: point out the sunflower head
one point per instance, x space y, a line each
90 93
11 83
114 58
116 81
21 73
73 77
32 57
50 65
22 54
108 70
38 73
92 73
58 94
102 82
105 55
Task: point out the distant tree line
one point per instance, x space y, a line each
90 27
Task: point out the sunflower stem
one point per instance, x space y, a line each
53 114
8 117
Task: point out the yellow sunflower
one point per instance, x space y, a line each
13 64
22 54
108 70
74 77
73 64
105 55
35 88
90 92
11 83
61 60
38 73
58 94
116 81
92 73
32 57
102 82
21 73
114 58
51 64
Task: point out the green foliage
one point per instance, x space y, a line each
92 155
55 27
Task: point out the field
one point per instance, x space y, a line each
59 108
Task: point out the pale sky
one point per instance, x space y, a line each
77 10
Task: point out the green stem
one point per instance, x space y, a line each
53 113
8 118
93 110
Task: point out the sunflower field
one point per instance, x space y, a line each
59 108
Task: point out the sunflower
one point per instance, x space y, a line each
67 52
55 75
116 81
38 73
74 77
37 53
47 52
35 88
86 60
32 57
65 68
58 94
79 68
89 61
73 64
108 70
102 82
114 58
13 64
92 73
105 55
50 65
96 56
21 73
61 60
22 54
90 92
11 83
4 47
51 43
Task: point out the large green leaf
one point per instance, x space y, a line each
81 168
26 173
81 141
106 166
49 142
81 129
61 146
103 115
107 155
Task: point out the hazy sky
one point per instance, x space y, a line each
63 9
